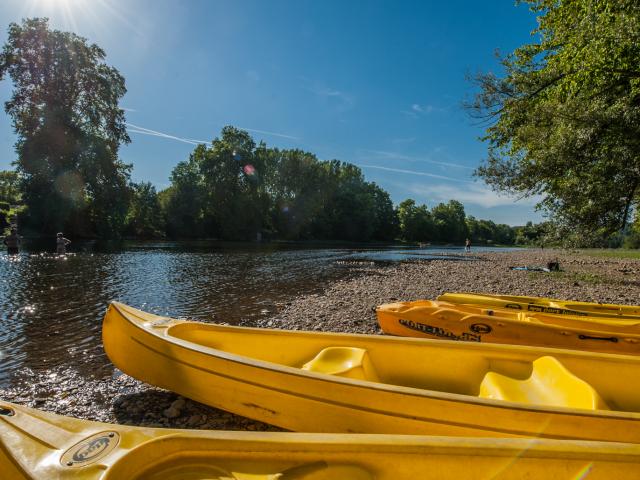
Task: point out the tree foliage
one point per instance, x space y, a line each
488 232
144 217
64 109
237 190
564 117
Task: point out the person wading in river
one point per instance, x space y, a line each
12 241
61 244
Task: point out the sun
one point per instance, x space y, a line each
73 15
64 3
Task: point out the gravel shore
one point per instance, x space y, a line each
345 306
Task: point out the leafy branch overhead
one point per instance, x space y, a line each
564 120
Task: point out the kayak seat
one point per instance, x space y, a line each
350 362
550 383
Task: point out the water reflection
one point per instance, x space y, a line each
51 307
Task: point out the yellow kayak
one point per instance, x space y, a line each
544 305
435 319
38 445
330 382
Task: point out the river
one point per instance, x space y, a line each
51 307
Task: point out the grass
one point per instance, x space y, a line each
611 252
573 277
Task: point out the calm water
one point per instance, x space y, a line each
51 307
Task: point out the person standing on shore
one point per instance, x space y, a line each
61 244
467 246
12 241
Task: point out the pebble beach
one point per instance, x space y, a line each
345 305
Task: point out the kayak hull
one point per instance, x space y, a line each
38 445
544 305
426 319
423 386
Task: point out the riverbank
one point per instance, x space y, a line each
345 305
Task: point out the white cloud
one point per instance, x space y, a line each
418 109
340 99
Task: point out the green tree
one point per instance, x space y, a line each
184 201
296 182
449 221
385 220
566 122
65 112
415 222
144 218
10 197
10 187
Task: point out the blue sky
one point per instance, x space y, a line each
375 83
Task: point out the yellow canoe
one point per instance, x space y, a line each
39 445
435 319
330 382
544 305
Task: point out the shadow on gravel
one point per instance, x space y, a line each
158 408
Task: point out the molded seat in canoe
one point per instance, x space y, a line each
550 383
420 386
35 445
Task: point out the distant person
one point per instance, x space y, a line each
61 244
12 241
467 245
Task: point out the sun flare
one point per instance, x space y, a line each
86 16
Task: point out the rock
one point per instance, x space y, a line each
194 420
171 412
178 404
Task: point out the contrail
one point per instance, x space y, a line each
155 133
413 172
416 159
264 132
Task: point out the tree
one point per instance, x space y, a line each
144 218
385 220
65 112
565 117
450 222
415 222
296 182
10 197
9 187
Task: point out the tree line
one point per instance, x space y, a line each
235 189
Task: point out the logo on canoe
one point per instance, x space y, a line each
438 331
480 328
90 450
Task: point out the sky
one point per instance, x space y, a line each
379 84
